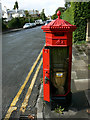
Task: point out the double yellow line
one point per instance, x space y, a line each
25 102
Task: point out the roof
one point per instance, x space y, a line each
59 24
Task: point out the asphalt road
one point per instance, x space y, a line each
19 52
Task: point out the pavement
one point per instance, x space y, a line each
79 86
12 30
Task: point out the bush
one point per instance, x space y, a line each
14 23
22 21
4 26
18 22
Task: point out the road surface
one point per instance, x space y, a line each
19 52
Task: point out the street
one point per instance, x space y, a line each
22 72
20 51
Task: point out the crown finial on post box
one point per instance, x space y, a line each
58 14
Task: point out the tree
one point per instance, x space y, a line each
54 16
26 13
61 9
16 5
42 15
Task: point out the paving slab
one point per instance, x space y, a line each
82 84
77 109
80 90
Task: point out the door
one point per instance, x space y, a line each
46 74
59 61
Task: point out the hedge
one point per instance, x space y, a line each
14 23
4 26
68 15
77 15
17 22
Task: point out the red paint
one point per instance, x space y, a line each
58 34
46 73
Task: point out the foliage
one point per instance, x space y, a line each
59 110
16 5
22 21
80 42
55 15
31 19
89 66
4 26
19 22
68 15
42 15
67 5
41 80
26 13
81 13
77 15
16 23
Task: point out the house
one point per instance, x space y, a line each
34 13
19 13
9 14
49 17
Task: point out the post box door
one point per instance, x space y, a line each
46 74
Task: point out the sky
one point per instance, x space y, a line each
49 6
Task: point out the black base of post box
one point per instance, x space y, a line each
63 101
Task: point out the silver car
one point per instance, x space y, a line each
33 24
48 21
27 25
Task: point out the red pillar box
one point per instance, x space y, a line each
57 59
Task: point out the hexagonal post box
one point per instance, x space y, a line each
57 59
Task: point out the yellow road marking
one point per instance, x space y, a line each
22 87
25 102
10 110
26 80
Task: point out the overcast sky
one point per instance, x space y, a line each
50 6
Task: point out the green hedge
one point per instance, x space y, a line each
68 15
77 15
81 14
19 22
14 23
4 26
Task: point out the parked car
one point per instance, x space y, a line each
33 24
48 21
39 22
27 25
